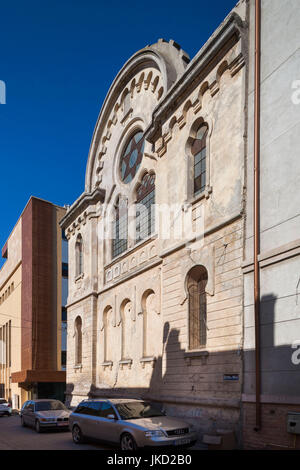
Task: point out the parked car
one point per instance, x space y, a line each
5 408
45 414
131 424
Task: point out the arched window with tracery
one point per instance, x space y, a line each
132 156
199 154
120 228
196 284
78 341
145 207
79 255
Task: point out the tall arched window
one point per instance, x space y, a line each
79 255
78 341
145 211
196 283
199 153
120 228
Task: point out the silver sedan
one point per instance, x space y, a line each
41 414
132 424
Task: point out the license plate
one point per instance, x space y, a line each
62 423
182 442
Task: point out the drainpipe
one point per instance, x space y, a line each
257 208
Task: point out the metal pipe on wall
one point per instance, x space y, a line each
257 209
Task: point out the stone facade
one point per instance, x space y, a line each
134 308
279 230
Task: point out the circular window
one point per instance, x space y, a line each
132 157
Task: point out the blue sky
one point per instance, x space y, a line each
58 59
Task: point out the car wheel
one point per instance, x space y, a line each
77 435
128 442
38 426
23 422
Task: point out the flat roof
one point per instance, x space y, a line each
31 197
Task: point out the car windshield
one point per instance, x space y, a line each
3 402
138 409
50 405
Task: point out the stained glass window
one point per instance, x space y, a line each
145 215
132 157
199 153
120 232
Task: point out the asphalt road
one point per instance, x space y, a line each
14 437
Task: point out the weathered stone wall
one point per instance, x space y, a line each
134 308
279 226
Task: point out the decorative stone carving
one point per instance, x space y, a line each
131 263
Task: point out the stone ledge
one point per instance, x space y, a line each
201 353
125 362
150 360
107 364
276 255
86 199
272 399
80 276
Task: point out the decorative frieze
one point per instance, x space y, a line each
134 261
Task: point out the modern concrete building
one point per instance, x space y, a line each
156 239
33 294
276 339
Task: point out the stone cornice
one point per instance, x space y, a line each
225 37
85 200
266 258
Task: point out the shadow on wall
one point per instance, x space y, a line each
169 370
218 375
280 357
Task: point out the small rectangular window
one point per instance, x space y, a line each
63 314
65 270
63 358
63 235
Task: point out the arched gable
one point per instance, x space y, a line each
151 71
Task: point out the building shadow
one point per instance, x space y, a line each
219 388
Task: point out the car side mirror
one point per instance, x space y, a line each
111 417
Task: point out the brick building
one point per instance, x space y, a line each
33 293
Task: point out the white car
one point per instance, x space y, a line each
5 408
